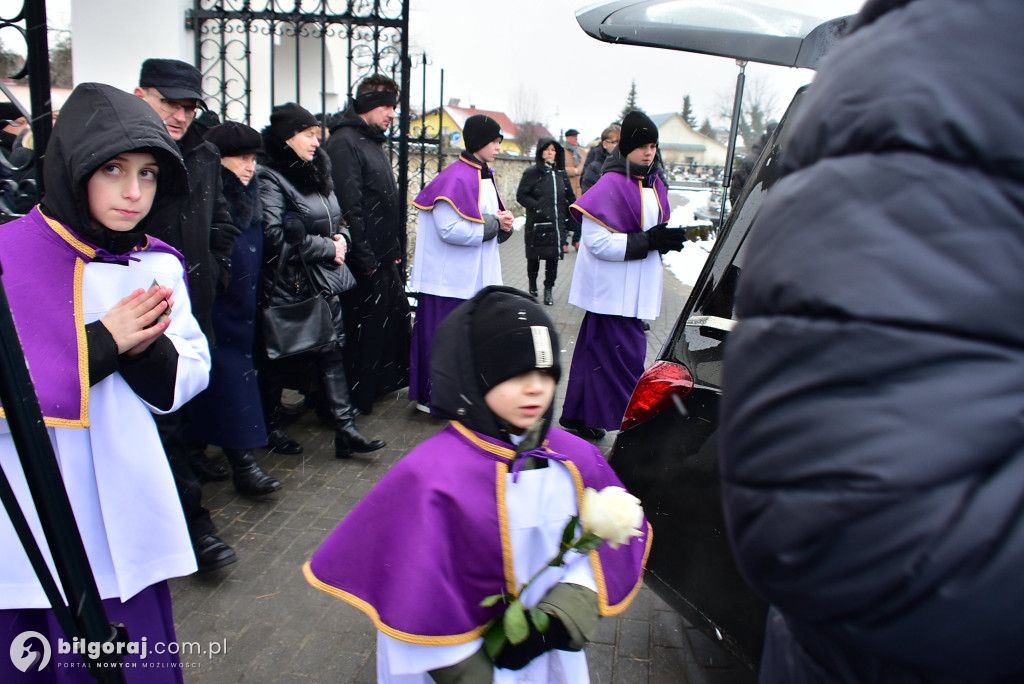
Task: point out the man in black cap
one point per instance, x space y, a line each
205 235
377 309
461 223
574 156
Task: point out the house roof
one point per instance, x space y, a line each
460 114
540 130
661 119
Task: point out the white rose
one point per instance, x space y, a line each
612 514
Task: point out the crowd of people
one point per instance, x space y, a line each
197 269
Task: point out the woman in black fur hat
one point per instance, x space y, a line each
228 413
302 215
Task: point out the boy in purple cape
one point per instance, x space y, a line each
478 509
461 223
103 315
617 279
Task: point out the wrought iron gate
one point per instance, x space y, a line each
21 177
257 53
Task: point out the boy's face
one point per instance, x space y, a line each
122 189
643 155
489 152
522 400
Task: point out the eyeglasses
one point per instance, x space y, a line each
174 106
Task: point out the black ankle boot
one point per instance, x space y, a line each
206 469
549 298
279 441
533 287
348 440
249 478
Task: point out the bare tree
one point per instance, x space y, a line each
60 62
526 117
760 106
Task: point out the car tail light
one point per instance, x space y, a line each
662 384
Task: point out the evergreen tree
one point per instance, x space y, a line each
687 113
706 129
630 102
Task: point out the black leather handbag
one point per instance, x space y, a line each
305 326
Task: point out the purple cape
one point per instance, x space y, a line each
614 201
431 540
43 264
458 185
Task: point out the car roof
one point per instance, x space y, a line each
738 29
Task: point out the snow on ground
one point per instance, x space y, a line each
686 264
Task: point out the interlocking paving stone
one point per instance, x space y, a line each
278 628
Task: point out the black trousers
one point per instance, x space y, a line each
171 427
550 271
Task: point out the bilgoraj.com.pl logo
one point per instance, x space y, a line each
31 651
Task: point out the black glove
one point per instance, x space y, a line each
222 238
518 656
665 239
294 230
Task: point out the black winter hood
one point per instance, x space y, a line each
458 391
97 123
307 177
559 152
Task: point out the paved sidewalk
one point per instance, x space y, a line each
274 627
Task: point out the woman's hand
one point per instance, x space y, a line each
138 319
340 248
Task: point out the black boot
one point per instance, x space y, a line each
279 441
347 438
533 287
206 469
212 553
249 478
549 298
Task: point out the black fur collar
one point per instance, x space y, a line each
243 200
307 177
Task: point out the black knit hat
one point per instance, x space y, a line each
176 80
510 334
480 130
288 120
234 139
637 130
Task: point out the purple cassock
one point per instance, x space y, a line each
605 370
610 350
53 336
458 185
431 540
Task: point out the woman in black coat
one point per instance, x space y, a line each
873 398
546 193
228 413
301 215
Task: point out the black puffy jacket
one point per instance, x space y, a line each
295 191
872 432
546 193
364 181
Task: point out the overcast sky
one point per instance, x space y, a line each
506 54
535 49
